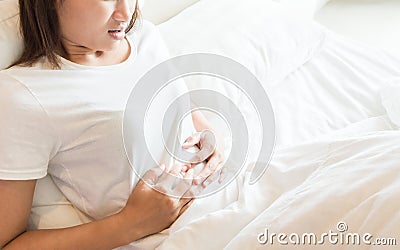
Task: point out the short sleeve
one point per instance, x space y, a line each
26 136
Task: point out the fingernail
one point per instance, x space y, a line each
196 181
206 183
199 179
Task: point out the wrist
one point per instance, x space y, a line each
128 230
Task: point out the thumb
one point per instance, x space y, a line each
152 175
191 141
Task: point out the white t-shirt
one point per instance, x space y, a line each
68 123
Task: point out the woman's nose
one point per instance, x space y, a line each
124 10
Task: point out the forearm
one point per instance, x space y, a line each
107 233
200 122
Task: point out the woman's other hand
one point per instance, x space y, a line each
213 146
158 199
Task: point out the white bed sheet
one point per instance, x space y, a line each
338 87
391 101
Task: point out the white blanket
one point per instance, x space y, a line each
308 188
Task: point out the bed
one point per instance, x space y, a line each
335 166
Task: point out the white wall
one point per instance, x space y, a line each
376 22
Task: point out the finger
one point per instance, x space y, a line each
167 179
191 141
208 169
207 144
185 207
223 174
213 177
194 191
205 152
184 184
185 167
151 176
207 137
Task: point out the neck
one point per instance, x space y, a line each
86 56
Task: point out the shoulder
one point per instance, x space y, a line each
27 140
20 109
15 97
10 87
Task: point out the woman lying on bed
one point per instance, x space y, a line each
59 118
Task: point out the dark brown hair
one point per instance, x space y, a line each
40 30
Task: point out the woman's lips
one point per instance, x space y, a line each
117 34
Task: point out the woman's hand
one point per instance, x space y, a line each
147 212
213 169
149 209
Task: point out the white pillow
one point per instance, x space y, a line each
305 8
266 37
10 40
390 98
320 3
159 11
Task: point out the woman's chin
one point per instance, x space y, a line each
113 46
